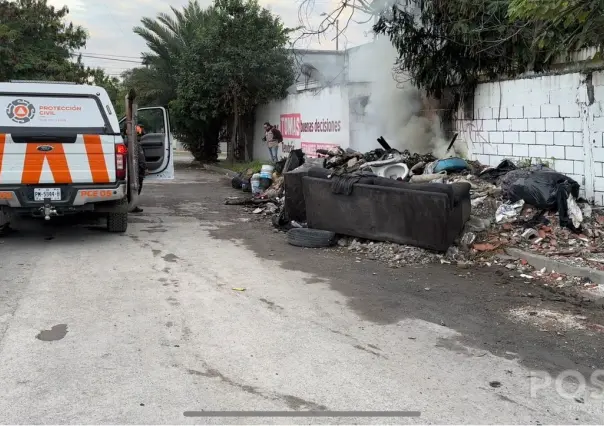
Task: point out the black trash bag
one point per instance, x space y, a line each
543 189
492 175
246 184
537 188
279 165
237 181
295 160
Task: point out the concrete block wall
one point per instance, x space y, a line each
555 118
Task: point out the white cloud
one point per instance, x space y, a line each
110 22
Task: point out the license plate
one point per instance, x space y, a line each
53 194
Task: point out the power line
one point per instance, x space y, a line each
106 58
109 55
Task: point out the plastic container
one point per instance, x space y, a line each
255 182
266 175
267 168
453 164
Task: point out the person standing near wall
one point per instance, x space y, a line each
272 137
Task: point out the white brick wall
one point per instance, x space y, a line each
541 119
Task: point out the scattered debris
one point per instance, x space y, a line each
548 320
238 288
395 255
531 208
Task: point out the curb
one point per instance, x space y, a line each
538 261
220 170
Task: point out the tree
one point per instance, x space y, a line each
449 45
37 44
151 89
573 24
114 87
166 37
236 62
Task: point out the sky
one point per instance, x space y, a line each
109 24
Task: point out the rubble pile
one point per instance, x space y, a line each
395 255
532 208
543 234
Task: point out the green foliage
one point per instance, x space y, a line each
452 45
238 56
254 166
166 37
37 44
235 61
114 88
572 23
212 65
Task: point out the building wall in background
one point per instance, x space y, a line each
552 118
557 118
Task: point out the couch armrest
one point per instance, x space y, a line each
461 191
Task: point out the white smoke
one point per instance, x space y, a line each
398 109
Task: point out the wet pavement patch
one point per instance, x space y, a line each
57 332
170 257
138 220
154 230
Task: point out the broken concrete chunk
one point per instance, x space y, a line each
477 224
529 234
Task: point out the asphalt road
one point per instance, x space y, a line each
139 328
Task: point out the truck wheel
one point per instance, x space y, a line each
117 222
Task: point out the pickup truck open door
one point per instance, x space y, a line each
156 141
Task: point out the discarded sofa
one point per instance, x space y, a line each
427 215
295 207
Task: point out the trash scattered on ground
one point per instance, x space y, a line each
508 212
530 207
238 288
547 319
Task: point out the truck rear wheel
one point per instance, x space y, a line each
117 222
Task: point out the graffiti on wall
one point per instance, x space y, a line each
473 131
292 126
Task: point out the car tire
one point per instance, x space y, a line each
117 222
310 238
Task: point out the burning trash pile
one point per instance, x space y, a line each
531 207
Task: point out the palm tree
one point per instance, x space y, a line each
166 37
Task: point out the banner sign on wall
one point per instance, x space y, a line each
292 128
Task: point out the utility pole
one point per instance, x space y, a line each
337 33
